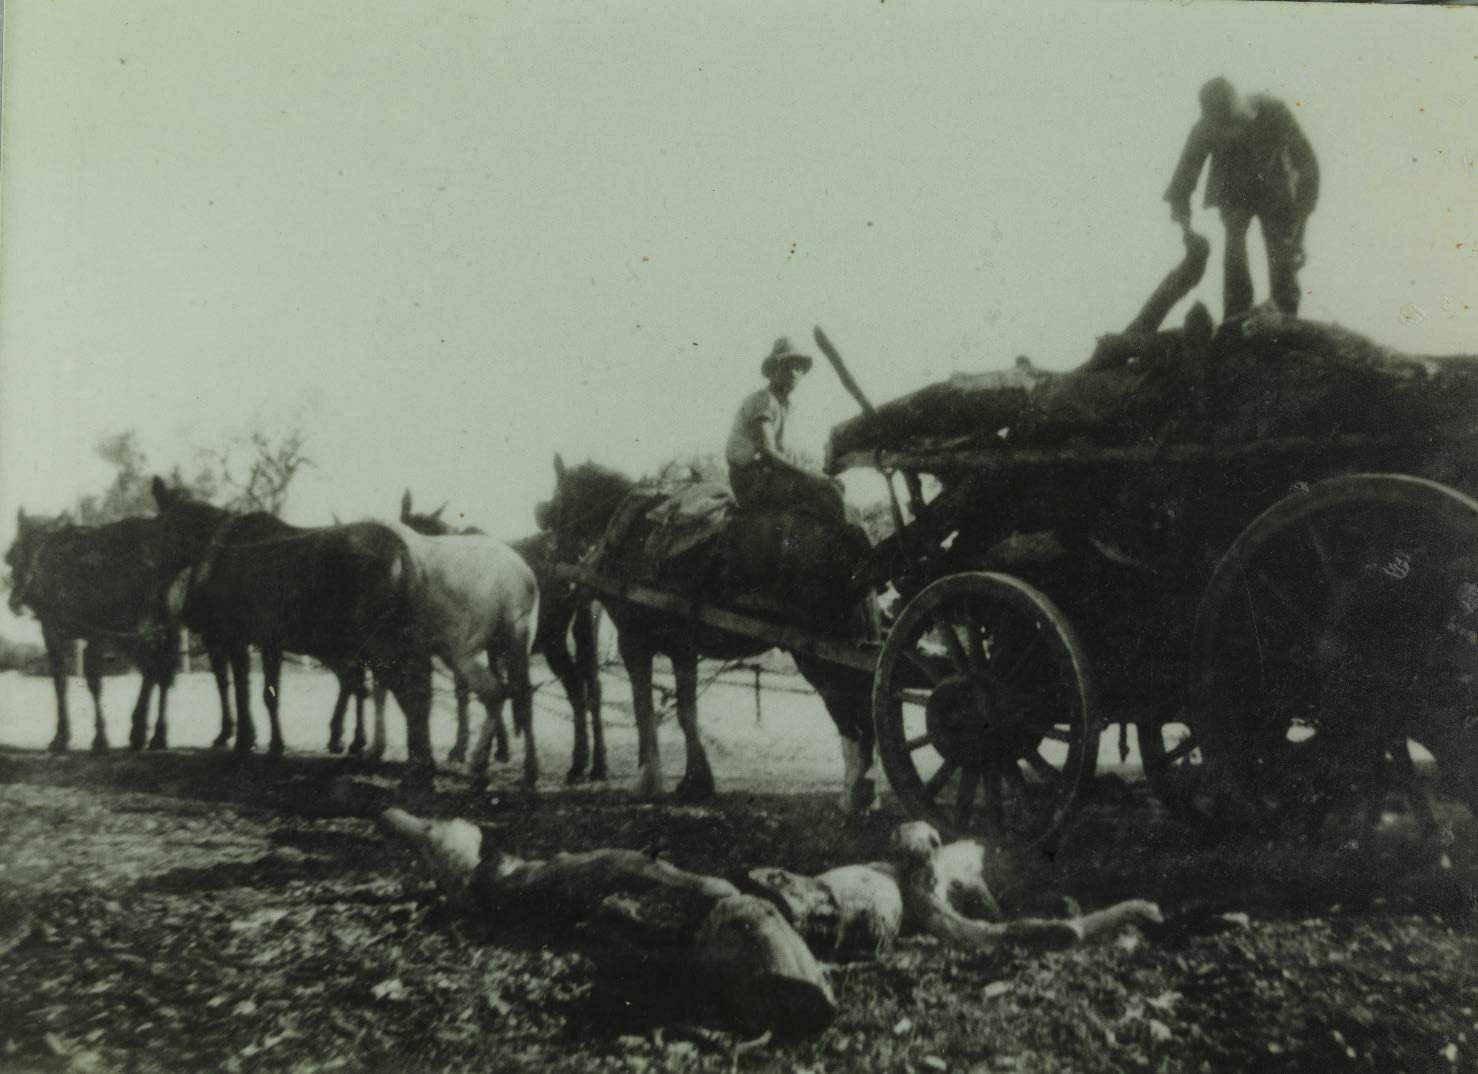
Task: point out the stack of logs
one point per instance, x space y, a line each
757 949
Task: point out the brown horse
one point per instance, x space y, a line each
365 595
565 613
799 567
101 585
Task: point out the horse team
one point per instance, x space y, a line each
378 602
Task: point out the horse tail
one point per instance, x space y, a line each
525 629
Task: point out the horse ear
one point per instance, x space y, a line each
405 505
20 518
64 519
162 495
559 467
439 510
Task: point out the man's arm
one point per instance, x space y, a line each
1187 174
1301 156
765 442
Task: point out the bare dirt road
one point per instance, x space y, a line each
187 911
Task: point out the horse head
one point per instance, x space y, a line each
189 526
432 525
23 557
585 497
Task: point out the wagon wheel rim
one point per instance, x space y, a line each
1337 627
984 709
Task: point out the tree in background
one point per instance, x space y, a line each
253 472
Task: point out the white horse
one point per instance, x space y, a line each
480 597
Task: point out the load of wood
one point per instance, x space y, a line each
755 949
1262 376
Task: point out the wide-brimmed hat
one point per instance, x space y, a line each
784 354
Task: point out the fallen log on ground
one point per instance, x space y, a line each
756 949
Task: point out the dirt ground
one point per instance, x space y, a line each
184 911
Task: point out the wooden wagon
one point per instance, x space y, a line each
1258 549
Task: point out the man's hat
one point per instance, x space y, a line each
784 354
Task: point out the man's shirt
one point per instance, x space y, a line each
1268 166
746 442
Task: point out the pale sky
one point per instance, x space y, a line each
458 237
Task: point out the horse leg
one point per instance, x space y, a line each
849 707
516 676
336 721
162 660
356 746
638 661
140 719
559 661
246 730
697 782
459 747
410 682
272 695
220 669
587 657
377 744
56 659
92 671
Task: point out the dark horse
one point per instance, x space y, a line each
107 586
564 613
799 567
367 595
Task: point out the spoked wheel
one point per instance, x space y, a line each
984 708
1337 631
1172 760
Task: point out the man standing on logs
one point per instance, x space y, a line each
1262 166
764 475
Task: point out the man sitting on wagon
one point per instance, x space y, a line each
764 475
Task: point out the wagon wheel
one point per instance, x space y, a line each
984 708
1337 629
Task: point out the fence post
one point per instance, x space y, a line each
77 645
184 650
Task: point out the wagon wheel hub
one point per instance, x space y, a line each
972 719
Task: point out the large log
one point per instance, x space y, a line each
758 968
757 952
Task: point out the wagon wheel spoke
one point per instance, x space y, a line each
995 802
911 696
965 801
974 649
1043 767
921 663
1028 655
956 648
939 779
1182 749
1320 547
918 742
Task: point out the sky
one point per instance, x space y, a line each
453 239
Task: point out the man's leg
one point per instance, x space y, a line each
1236 277
1284 239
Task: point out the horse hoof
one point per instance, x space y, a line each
598 773
134 744
224 742
375 755
276 750
574 776
357 751
690 791
335 747
157 744
457 756
501 755
100 745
